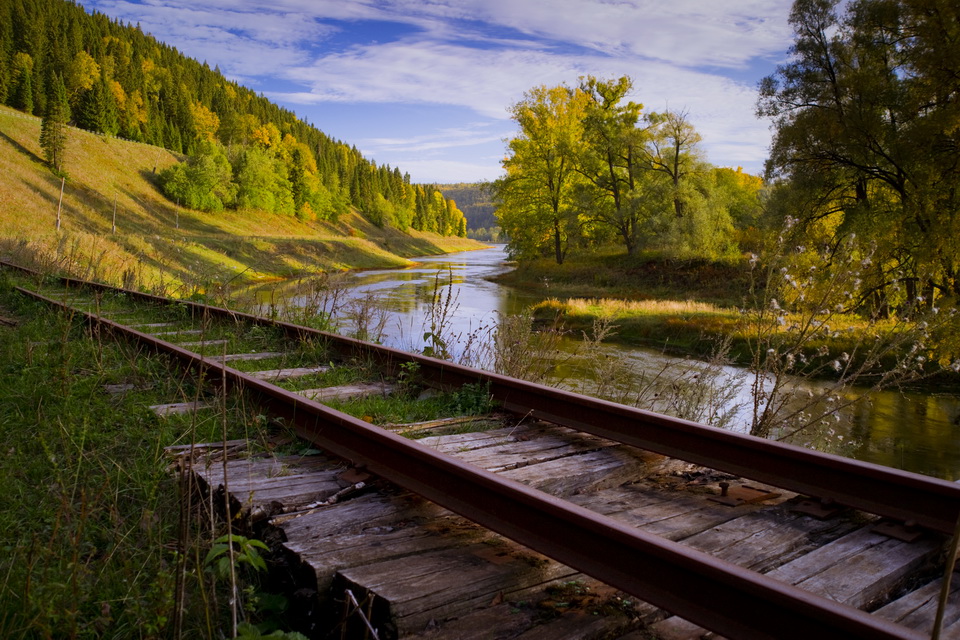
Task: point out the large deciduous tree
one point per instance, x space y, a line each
612 159
867 117
537 194
673 152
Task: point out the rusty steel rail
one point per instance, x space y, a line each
908 497
718 595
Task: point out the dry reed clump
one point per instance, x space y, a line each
611 308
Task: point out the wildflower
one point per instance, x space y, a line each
836 365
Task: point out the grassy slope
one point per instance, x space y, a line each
206 248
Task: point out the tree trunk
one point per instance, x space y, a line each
557 245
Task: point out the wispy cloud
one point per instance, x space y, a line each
443 139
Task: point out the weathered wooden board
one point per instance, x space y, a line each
179 408
759 540
590 471
767 538
202 343
459 444
234 357
349 391
918 609
513 455
463 442
265 485
399 538
181 332
266 466
357 514
859 568
284 374
153 325
533 618
669 514
411 592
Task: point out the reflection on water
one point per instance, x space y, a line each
916 432
913 431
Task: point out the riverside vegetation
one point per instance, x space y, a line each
840 264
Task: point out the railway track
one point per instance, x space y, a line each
685 573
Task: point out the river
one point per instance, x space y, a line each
451 299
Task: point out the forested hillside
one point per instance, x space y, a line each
71 67
475 199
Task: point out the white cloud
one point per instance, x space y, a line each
244 43
684 32
441 140
722 110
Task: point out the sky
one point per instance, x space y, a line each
426 85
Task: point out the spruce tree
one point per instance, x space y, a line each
53 129
22 97
92 109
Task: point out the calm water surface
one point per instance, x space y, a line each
911 431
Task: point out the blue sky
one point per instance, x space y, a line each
426 85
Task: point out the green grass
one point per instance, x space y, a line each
89 513
402 409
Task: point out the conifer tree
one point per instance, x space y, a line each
22 95
53 130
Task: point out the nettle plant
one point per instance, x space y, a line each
827 326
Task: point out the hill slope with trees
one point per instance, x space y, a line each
245 153
115 224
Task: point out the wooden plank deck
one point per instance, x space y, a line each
423 572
